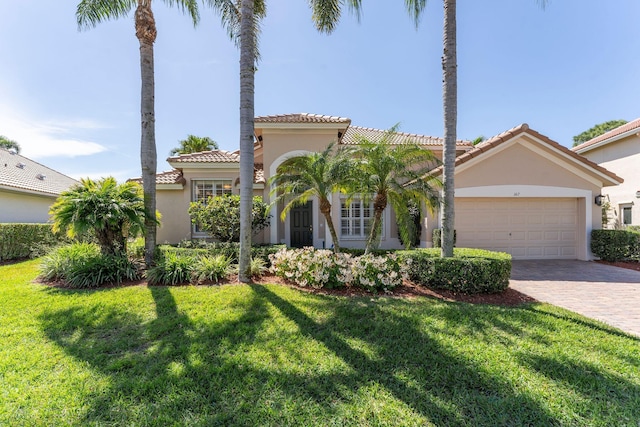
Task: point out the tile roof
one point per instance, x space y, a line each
301 118
214 156
22 173
353 133
512 133
634 124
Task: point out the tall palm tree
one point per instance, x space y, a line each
92 12
450 101
394 175
326 14
9 144
194 144
315 174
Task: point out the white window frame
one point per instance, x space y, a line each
623 208
218 187
357 221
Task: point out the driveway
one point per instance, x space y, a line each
602 292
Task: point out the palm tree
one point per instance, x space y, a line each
9 144
315 174
89 14
113 212
450 101
395 175
326 14
194 144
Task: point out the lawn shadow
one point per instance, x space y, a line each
441 386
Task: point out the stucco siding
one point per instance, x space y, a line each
24 208
623 158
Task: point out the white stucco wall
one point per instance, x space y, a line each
24 208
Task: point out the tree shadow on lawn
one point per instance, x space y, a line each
191 370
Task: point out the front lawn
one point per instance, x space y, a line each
271 355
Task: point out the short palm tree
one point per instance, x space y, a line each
194 144
112 211
395 175
315 174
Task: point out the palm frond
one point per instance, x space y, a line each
90 13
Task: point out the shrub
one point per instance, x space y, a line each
27 240
436 237
228 249
615 245
317 268
211 268
172 268
82 265
321 268
376 273
220 216
470 271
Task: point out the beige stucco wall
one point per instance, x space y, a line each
25 208
525 168
623 158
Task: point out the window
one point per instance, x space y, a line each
355 218
205 188
626 214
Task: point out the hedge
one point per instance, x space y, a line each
26 240
230 250
615 245
470 271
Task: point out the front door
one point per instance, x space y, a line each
301 225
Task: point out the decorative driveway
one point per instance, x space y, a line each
602 292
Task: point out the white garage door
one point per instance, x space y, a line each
529 228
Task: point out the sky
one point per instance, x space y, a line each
71 98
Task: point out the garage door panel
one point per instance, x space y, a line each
525 228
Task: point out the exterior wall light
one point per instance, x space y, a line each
599 199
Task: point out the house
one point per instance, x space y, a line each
518 192
619 151
27 188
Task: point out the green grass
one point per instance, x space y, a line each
270 355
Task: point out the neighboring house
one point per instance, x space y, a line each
619 151
518 192
27 188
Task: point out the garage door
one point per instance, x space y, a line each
528 228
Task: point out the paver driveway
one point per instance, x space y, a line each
602 292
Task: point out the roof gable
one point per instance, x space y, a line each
485 148
213 156
23 174
608 137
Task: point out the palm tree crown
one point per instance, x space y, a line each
194 144
9 144
314 174
395 175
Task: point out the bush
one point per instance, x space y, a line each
470 271
82 265
173 268
321 268
211 268
376 273
220 216
615 245
228 249
436 237
27 240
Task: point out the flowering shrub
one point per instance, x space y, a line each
379 273
310 267
324 269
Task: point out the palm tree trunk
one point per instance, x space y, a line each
374 234
450 100
146 33
247 77
325 209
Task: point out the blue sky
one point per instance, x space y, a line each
71 99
